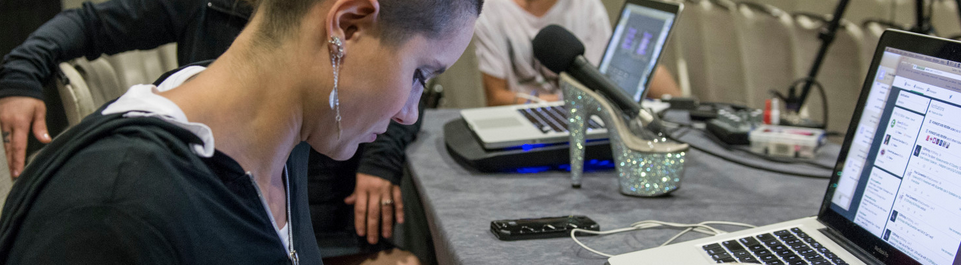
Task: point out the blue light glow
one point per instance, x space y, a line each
528 170
528 147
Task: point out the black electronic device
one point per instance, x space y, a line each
466 149
560 51
734 126
703 112
536 228
682 103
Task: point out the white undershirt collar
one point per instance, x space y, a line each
143 101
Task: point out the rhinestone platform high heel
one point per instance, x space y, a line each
647 165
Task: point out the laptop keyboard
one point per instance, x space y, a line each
552 118
789 246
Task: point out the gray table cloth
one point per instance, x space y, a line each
461 202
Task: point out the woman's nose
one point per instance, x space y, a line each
408 114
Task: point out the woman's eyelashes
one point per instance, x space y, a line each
420 78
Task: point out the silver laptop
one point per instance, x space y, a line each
895 195
629 60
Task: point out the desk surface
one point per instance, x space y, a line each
461 202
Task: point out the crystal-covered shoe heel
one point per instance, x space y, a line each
646 166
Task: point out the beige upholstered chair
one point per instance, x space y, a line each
90 84
138 67
130 70
714 62
841 73
85 86
101 80
902 12
683 49
945 19
859 10
767 40
814 6
74 93
872 29
168 57
792 5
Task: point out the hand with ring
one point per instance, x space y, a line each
377 205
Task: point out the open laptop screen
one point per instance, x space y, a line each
633 51
901 180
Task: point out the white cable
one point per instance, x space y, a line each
702 227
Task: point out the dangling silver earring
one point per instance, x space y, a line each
336 59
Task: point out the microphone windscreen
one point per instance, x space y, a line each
556 48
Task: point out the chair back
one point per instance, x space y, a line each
859 10
137 67
714 63
902 12
767 42
74 93
101 80
168 56
842 70
872 29
944 18
683 49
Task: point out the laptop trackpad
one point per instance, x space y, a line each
495 123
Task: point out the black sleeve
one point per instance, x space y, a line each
94 235
109 27
385 157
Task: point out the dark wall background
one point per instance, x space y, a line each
18 18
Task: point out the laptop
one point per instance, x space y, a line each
629 60
895 194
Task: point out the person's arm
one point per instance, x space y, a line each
498 94
110 27
663 84
493 59
496 91
94 29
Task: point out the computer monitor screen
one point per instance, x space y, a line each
632 53
901 179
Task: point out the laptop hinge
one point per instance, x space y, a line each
858 252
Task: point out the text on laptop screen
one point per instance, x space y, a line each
637 42
902 176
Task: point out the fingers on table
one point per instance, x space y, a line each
360 213
40 126
387 215
373 218
398 204
15 144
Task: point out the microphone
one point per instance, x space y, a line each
560 51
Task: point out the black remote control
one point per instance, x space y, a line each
548 227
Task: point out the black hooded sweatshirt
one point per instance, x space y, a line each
115 190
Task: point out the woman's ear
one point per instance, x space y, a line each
351 19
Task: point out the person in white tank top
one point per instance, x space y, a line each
503 35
